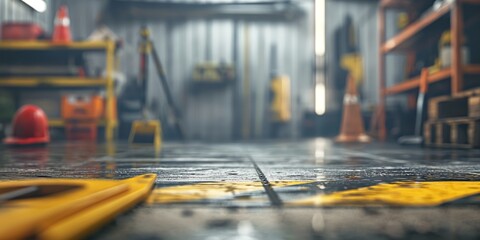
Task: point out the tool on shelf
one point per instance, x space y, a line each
66 208
212 73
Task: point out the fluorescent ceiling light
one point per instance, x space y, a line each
37 5
320 99
319 27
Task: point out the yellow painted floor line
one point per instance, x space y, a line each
213 190
397 193
66 208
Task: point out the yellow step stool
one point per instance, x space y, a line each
146 132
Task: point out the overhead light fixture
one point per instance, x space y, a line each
319 11
37 5
320 88
320 99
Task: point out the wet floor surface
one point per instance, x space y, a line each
309 189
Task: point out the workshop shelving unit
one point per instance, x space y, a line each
107 47
410 37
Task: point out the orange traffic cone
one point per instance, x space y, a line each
61 32
352 130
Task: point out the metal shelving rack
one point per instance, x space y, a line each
408 37
108 47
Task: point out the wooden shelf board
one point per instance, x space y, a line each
52 82
56 123
395 3
435 77
414 28
47 45
454 120
449 145
470 1
61 123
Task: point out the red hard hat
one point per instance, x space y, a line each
30 126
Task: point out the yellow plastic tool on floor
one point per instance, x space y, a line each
146 132
66 208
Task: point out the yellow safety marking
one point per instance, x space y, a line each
146 127
398 193
66 208
213 190
86 221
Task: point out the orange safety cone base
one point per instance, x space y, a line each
352 130
362 138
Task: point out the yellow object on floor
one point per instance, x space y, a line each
146 132
209 191
66 208
421 194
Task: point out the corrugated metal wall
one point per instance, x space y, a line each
212 114
16 10
208 114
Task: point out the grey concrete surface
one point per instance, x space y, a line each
325 167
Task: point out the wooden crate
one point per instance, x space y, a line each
453 133
474 106
464 104
433 106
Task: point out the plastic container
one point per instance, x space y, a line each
82 107
21 31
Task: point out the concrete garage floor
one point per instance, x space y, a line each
309 189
